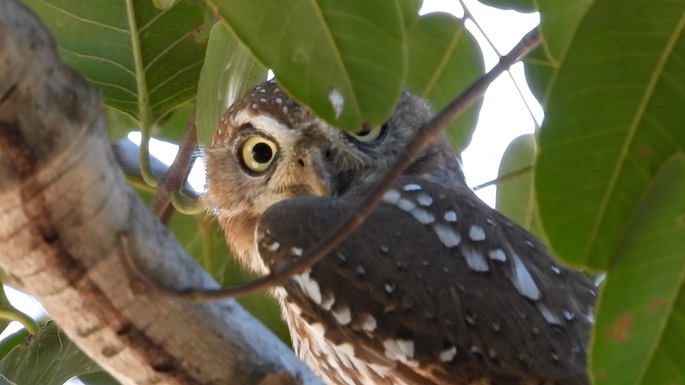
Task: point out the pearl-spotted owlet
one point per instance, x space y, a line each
434 288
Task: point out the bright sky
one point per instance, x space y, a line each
503 117
504 114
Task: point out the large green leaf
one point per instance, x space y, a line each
640 332
613 118
48 358
558 23
98 378
228 72
410 11
516 195
146 61
444 60
346 60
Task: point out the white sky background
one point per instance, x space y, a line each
503 116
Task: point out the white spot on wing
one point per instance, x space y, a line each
411 187
369 324
318 328
424 199
476 233
391 197
346 348
389 288
296 251
397 349
405 204
327 301
309 286
547 314
498 255
342 315
569 315
447 235
523 281
450 216
422 216
448 354
273 247
475 260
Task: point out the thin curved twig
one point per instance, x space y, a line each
175 176
428 133
505 178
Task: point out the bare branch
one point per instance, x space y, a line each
505 178
64 204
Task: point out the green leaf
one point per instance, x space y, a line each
516 196
444 60
164 4
410 11
330 55
98 378
559 21
612 120
118 123
146 61
174 125
640 331
229 71
49 358
13 340
517 5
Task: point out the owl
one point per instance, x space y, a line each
434 288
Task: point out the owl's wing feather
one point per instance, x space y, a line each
437 283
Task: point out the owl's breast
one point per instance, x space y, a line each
337 364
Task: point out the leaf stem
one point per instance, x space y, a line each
144 114
15 315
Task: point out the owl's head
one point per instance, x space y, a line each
268 148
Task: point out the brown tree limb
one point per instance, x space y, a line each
64 205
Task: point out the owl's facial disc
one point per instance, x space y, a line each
287 161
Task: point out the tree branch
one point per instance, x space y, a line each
64 205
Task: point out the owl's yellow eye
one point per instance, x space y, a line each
257 153
368 134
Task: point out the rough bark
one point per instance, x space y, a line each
64 206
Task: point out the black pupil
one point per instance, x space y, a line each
261 153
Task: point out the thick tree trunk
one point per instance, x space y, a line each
64 207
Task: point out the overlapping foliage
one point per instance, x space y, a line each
607 187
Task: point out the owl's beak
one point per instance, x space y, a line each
315 173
